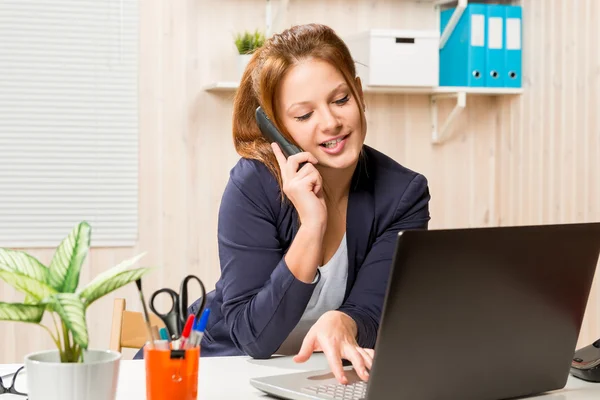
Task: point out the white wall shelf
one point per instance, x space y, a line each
223 86
230 86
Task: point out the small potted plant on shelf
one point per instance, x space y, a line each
71 371
247 42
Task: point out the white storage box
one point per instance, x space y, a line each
407 58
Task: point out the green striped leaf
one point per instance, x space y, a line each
23 263
21 312
68 258
109 284
71 310
33 288
106 275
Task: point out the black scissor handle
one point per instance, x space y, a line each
183 298
171 319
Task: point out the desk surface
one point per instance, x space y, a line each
227 378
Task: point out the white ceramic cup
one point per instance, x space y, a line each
94 379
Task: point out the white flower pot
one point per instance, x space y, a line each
94 379
243 60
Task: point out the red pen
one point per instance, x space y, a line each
187 329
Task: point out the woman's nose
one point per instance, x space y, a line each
329 121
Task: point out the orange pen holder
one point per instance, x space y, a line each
172 374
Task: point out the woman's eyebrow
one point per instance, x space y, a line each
342 84
307 102
297 104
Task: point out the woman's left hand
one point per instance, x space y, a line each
335 335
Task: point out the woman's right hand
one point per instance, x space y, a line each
303 187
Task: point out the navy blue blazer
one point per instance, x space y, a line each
257 301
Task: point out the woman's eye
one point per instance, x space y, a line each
304 117
343 100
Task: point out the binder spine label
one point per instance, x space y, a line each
495 33
477 30
513 34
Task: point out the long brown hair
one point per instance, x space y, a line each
265 71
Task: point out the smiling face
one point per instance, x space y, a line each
317 108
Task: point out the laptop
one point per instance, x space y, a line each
474 313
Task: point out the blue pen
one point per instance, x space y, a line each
199 327
163 334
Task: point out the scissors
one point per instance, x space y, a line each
176 317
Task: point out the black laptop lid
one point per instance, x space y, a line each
485 313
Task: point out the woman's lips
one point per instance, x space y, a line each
338 148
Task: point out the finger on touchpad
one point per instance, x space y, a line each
350 374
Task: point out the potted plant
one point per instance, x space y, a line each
246 43
71 371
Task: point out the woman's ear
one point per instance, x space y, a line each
360 91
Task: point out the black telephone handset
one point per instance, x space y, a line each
273 135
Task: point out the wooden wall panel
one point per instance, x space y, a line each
530 159
549 137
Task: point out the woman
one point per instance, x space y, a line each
305 252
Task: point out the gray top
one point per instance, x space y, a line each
328 295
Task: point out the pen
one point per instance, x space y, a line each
187 329
199 327
163 334
138 283
155 334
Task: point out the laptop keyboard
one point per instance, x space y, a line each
353 391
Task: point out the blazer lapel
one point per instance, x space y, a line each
359 220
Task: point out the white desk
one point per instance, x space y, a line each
227 378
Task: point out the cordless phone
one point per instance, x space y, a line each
273 135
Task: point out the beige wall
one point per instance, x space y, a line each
526 159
